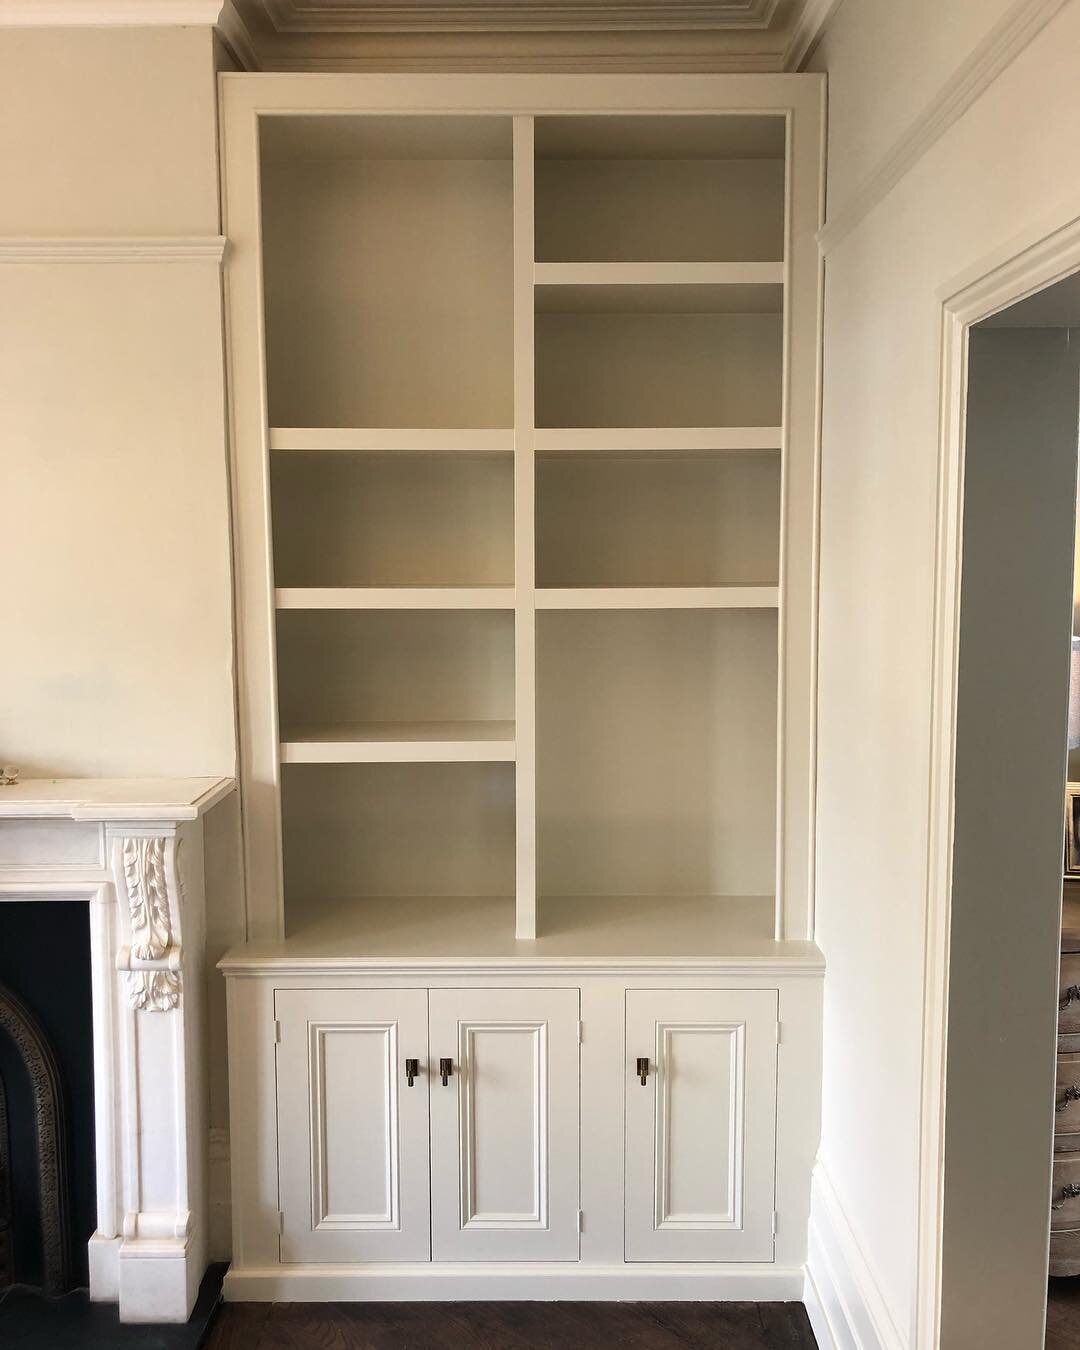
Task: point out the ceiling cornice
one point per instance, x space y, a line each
108 13
431 16
624 36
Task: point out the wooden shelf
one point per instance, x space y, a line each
658 440
659 288
396 440
399 743
592 929
659 597
394 597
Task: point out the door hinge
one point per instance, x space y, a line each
774 1223
277 1032
580 1032
581 1221
281 1222
779 1032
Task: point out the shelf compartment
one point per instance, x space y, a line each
368 668
658 370
658 597
394 597
659 288
395 440
658 521
388 520
656 753
389 830
399 743
622 441
668 188
388 271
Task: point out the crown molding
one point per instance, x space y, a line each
806 31
108 13
237 37
410 16
1005 41
119 249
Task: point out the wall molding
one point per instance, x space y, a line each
108 13
843 1297
118 249
1005 41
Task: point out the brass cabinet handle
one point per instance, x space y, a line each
412 1068
446 1068
1071 1094
1068 996
643 1071
1069 1192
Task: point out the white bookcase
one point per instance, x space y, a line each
523 377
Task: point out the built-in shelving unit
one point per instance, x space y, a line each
525 456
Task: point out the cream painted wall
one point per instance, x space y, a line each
116 601
996 174
887 61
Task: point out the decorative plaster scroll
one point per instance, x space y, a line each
153 975
153 990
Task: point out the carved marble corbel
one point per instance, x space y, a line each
149 883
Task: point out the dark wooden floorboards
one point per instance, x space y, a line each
511 1326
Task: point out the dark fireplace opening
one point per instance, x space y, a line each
46 1035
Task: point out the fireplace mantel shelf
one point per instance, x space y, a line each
112 799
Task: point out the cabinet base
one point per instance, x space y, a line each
512 1282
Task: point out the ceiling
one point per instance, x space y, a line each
555 35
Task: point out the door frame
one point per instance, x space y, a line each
1011 273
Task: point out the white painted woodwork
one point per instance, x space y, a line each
395 597
657 440
657 597
133 849
398 742
395 440
353 1137
504 1129
443 265
700 1143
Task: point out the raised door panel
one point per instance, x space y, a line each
701 1130
504 1128
352 1134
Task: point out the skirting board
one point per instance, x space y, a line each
843 1300
511 1282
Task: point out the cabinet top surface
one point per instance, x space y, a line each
113 798
589 933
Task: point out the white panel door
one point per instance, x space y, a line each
701 1131
352 1134
504 1128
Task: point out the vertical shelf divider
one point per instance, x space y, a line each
524 529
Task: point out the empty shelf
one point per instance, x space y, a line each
657 440
399 743
396 440
659 288
658 597
395 597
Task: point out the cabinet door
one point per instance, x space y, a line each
352 1135
504 1129
700 1134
